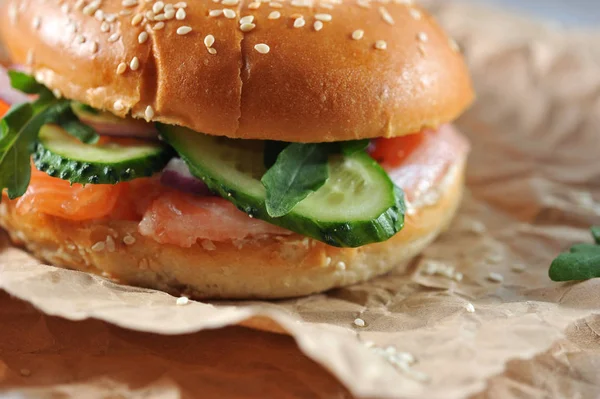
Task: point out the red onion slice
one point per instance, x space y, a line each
136 129
177 175
7 93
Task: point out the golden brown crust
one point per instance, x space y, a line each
274 267
312 85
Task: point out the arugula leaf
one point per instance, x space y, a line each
300 170
582 262
18 133
354 146
25 83
71 123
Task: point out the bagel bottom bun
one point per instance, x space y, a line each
271 267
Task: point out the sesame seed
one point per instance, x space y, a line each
134 65
78 4
380 45
110 244
158 26
323 17
118 106
247 27
422 37
99 15
262 48
458 276
181 14
30 56
363 3
254 5
158 7
149 15
212 51
359 322
128 240
358 34
326 5
149 113
181 4
386 15
230 2
121 68
183 30
57 93
454 45
125 13
160 17
129 3
318 25
137 18
25 372
248 19
170 14
105 27
79 39
37 22
114 37
327 261
65 8
229 13
274 15
415 14
181 301
518 268
496 277
142 37
209 40
341 265
421 49
99 246
110 17
275 4
94 47
299 22
469 307
215 13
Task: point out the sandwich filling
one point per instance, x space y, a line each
67 160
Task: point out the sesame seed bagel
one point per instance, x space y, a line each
271 267
298 71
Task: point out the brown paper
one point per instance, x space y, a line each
534 187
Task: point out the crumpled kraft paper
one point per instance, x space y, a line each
534 187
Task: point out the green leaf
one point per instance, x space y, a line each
300 170
71 123
352 147
582 265
18 133
596 233
26 83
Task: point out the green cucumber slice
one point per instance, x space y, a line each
358 205
61 155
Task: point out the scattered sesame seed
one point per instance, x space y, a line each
358 34
142 37
229 13
65 8
94 47
387 17
230 2
215 13
149 113
37 22
99 15
318 25
323 17
121 68
421 49
160 17
128 240
341 265
422 37
105 27
170 14
99 246
209 40
274 15
275 4
181 4
158 7
25 372
299 22
359 322
518 267
183 300
125 13
57 93
262 48
149 15
247 27
137 18
114 37
110 17
248 19
469 307
134 65
380 45
110 244
212 51
118 106
458 276
496 277
183 30
158 26
79 39
327 261
129 3
254 5
415 14
363 3
181 14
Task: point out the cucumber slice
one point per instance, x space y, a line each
358 205
61 155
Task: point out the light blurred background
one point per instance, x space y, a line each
571 13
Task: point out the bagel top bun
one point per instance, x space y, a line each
297 71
